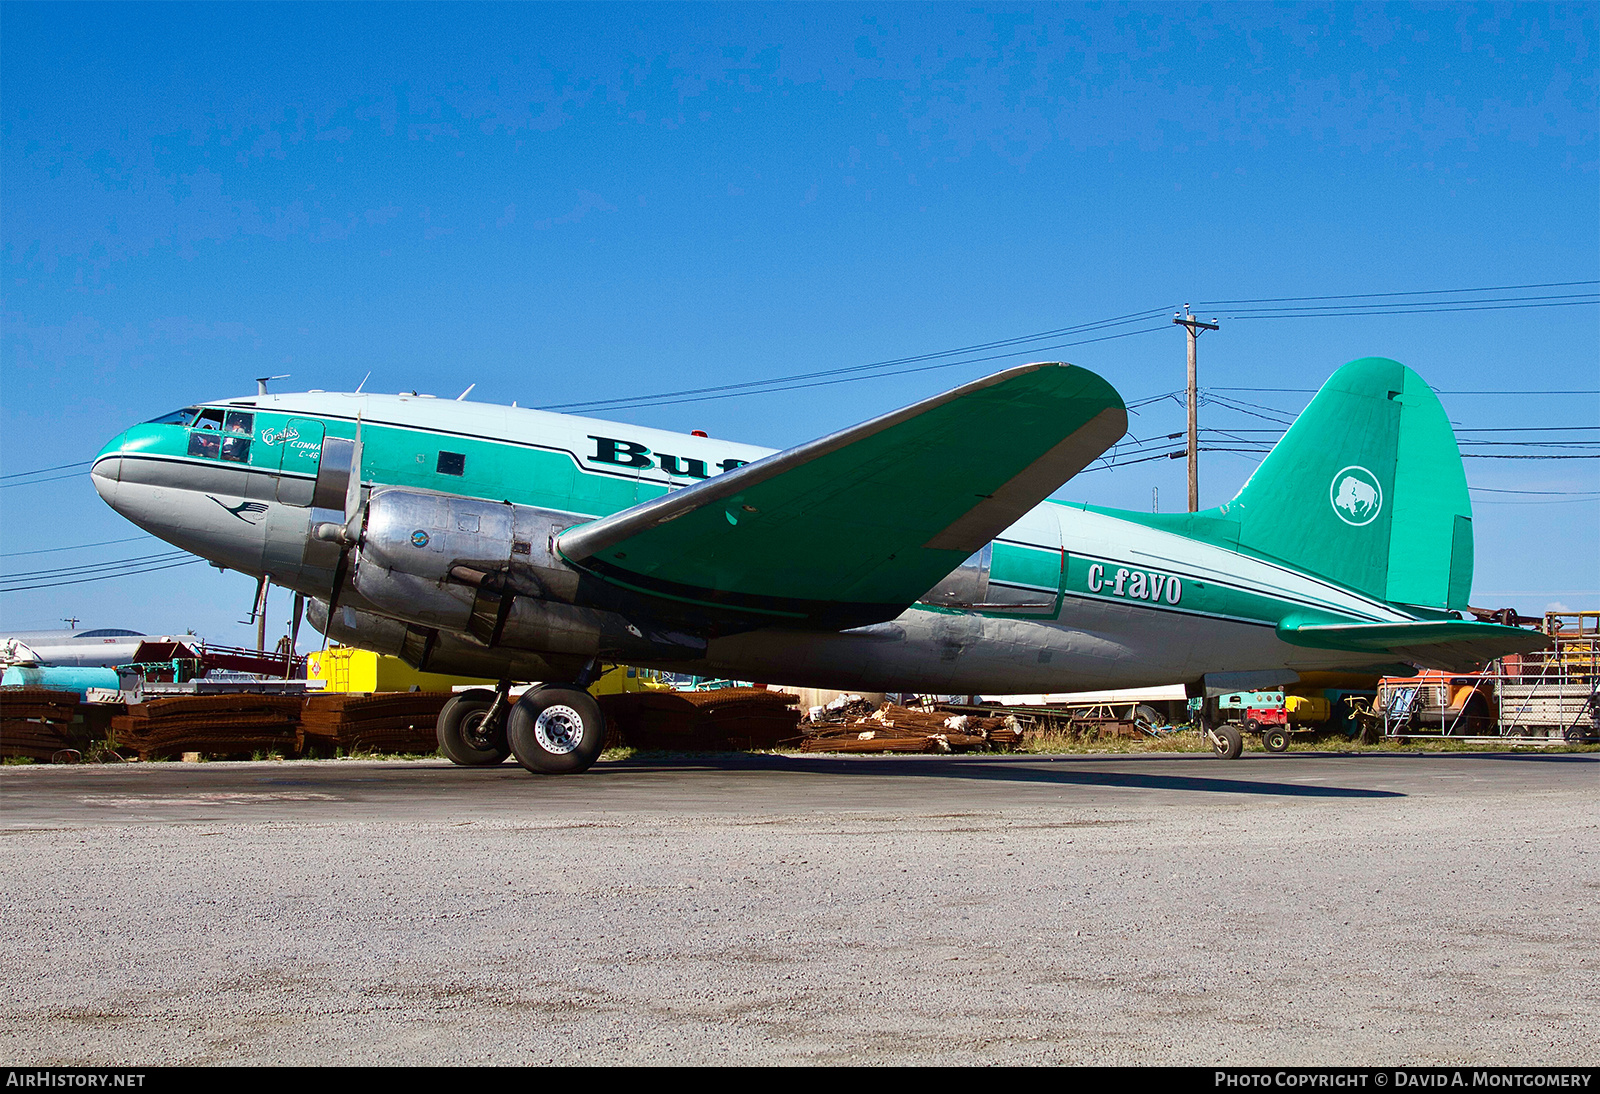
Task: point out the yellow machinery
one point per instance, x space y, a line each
623 678
1577 641
347 669
1307 708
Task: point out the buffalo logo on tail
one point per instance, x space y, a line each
1356 496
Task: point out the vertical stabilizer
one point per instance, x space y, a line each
1366 488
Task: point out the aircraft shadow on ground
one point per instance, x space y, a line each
1007 770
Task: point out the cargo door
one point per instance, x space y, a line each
300 450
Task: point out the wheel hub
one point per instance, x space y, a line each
478 731
559 729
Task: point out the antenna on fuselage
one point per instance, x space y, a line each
363 382
464 394
261 382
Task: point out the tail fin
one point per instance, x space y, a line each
1366 488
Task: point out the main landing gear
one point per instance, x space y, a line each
554 729
472 727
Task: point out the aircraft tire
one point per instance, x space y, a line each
1229 741
1275 739
464 739
556 731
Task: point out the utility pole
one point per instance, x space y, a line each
1195 326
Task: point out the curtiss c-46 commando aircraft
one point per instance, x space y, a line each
913 552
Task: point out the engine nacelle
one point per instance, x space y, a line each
488 569
435 651
428 535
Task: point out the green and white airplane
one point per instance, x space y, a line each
917 551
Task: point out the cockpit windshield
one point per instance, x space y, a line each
177 417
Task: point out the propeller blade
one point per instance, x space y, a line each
350 536
340 569
352 492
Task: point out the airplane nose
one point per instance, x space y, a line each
106 472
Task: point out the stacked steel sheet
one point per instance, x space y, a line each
401 721
38 723
228 725
893 728
725 719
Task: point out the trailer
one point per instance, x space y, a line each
1551 696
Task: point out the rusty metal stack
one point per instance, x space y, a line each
38 723
726 719
352 722
893 728
228 725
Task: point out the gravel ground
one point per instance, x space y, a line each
1386 910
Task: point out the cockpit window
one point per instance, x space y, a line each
177 417
236 449
214 435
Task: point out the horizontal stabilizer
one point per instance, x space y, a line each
1449 645
854 527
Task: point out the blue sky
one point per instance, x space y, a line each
571 203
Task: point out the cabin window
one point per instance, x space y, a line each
204 444
208 418
236 449
240 422
452 463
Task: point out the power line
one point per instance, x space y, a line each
1471 429
1494 490
1419 305
162 556
42 470
696 395
39 482
1419 310
1020 340
1525 391
1306 309
102 577
76 547
1413 292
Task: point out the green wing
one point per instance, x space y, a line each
852 528
1448 645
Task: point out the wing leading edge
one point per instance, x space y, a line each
853 527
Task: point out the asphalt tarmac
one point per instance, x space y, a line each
1295 909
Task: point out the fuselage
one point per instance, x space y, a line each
1069 597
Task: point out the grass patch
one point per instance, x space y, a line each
1338 742
1056 744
